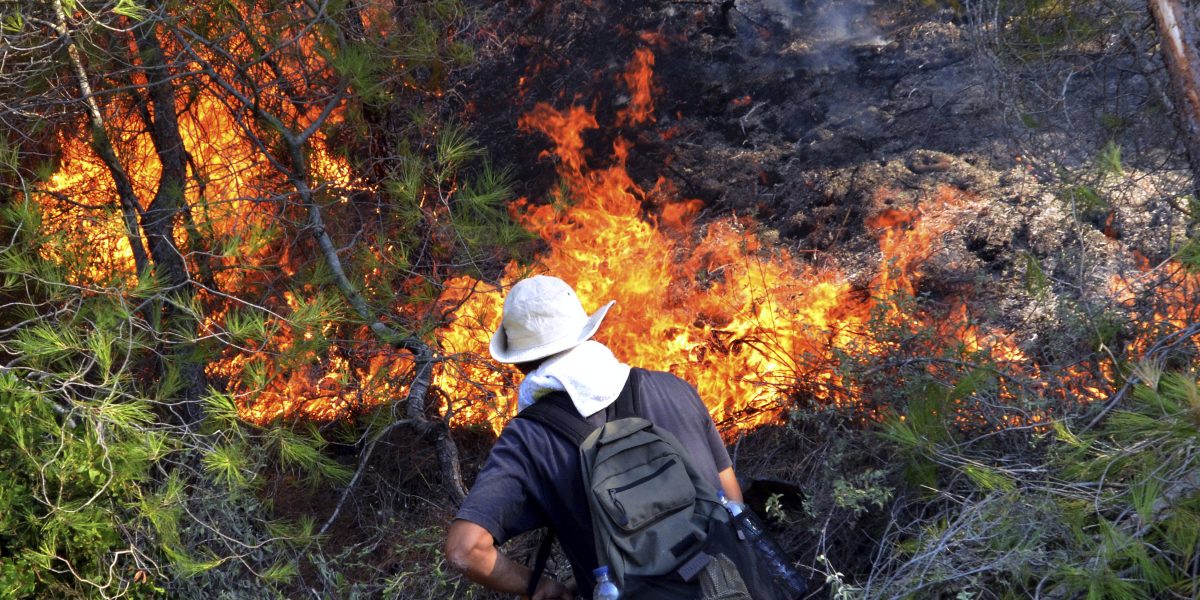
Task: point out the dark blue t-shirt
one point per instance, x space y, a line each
532 477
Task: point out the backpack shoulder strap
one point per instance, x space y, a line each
628 403
539 562
557 412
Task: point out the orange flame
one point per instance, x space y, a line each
638 76
1171 291
709 303
227 180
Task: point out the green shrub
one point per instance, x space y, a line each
101 493
1109 513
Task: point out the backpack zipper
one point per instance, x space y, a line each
656 473
612 492
612 496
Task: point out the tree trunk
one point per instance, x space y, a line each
102 144
1177 40
158 222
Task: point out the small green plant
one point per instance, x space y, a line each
1086 199
1036 282
840 590
774 509
1114 124
862 491
1108 161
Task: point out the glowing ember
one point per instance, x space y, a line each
1173 293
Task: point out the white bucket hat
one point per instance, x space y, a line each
542 316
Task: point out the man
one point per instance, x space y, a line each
532 476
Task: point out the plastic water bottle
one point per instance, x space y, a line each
734 507
752 530
606 588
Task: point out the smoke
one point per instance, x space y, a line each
824 33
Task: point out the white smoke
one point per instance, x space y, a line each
825 32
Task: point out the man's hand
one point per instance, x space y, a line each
471 551
549 589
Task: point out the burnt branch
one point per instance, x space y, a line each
363 459
447 450
298 172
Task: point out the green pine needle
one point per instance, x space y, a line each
226 464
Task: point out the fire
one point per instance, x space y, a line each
740 101
104 254
708 302
1171 291
232 175
227 180
746 323
638 77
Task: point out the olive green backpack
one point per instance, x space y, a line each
658 522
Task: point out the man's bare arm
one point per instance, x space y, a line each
729 483
472 551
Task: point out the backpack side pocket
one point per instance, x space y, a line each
720 580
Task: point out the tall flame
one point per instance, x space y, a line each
639 78
708 302
227 180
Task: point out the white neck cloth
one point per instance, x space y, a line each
589 373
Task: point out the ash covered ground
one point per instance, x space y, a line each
812 118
